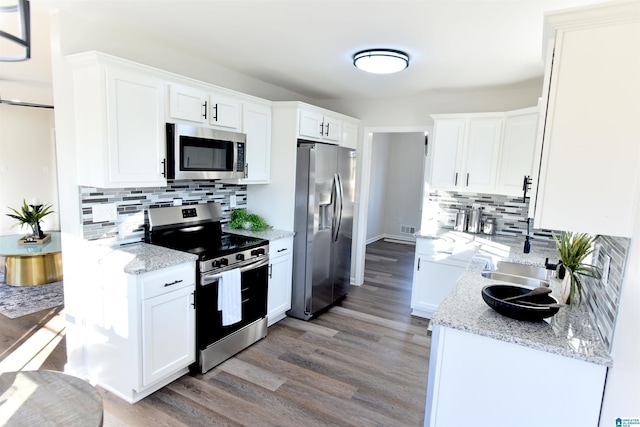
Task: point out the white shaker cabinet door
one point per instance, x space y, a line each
225 112
135 128
187 103
448 143
517 153
168 334
256 123
482 152
590 151
280 279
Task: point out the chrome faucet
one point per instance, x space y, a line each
527 243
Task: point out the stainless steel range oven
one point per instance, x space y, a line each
221 258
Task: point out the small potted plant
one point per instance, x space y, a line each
241 220
573 248
31 215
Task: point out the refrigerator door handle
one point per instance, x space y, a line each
338 206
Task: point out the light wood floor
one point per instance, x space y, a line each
363 363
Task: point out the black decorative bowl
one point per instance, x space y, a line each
493 295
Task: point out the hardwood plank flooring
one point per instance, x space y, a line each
362 363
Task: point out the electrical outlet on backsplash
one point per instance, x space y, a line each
133 202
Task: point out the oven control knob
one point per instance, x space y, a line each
224 261
258 252
240 257
215 264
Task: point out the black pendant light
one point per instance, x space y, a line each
15 31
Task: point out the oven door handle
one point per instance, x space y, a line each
208 279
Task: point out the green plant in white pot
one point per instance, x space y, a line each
573 248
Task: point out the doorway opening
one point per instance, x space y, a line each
390 188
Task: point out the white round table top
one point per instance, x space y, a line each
9 245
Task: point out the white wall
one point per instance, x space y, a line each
377 195
397 161
404 184
27 163
415 110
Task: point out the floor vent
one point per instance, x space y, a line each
407 229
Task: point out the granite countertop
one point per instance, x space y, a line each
570 333
141 258
271 234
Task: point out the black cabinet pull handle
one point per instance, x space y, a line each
418 264
164 168
205 110
193 300
175 282
281 250
215 108
321 128
456 180
467 179
327 134
525 187
270 271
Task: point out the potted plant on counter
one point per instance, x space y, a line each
241 220
573 248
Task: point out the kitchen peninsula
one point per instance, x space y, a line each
496 366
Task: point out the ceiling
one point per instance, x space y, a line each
306 46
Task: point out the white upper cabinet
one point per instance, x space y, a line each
225 112
516 155
256 124
318 127
465 152
446 153
201 106
482 149
187 103
120 124
589 169
349 135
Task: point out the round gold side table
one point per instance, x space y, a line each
31 264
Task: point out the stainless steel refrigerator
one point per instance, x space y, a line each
323 225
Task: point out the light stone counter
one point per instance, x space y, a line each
141 258
271 234
570 333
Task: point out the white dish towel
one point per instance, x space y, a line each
230 296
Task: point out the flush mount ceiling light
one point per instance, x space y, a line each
15 30
381 61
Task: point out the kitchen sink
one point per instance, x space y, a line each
512 278
522 270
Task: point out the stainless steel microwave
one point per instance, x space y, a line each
195 152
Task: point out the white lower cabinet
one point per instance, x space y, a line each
166 348
280 279
140 329
479 381
438 266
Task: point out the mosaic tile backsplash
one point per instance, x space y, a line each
511 214
604 300
132 204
